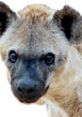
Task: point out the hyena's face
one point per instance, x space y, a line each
34 47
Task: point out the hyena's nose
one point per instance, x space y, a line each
26 87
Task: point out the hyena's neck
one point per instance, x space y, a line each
63 89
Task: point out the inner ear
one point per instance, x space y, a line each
68 20
66 24
6 17
3 22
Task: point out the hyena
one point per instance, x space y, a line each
36 45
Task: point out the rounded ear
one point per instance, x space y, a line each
70 22
6 17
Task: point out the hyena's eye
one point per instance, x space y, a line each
49 59
12 56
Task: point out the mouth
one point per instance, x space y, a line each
29 99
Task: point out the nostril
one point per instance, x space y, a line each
31 89
26 89
19 89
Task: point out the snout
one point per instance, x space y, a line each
28 90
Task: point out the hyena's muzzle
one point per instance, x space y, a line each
29 82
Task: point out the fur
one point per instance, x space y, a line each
35 31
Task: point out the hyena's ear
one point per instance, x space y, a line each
70 22
6 17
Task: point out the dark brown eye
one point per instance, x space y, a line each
49 59
12 56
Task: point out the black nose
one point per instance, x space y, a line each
26 87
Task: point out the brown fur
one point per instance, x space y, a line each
64 90
36 12
36 31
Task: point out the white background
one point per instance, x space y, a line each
9 105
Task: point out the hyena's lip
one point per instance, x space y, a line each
27 100
32 98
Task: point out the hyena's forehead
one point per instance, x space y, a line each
31 38
38 12
33 33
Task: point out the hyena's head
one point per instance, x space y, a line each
34 44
